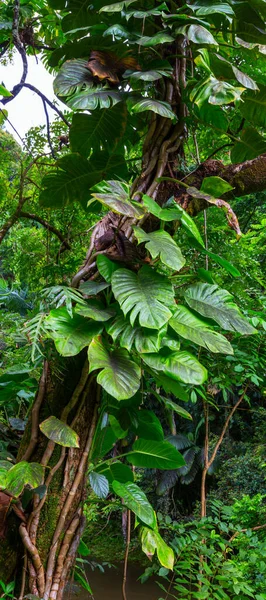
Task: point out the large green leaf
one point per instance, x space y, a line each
103 442
155 455
160 243
210 9
159 38
76 175
215 303
119 376
151 541
186 324
250 145
135 499
197 34
70 335
172 212
215 91
21 474
99 484
106 267
145 340
94 97
146 295
115 195
171 405
72 75
170 386
116 470
103 127
254 107
178 365
160 108
148 426
215 186
94 309
59 432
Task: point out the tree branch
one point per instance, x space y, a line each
48 129
20 48
45 99
28 215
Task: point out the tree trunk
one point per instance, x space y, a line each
49 538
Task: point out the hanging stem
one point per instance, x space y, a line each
126 555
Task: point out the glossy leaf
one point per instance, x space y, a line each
155 455
215 186
144 340
151 541
103 443
146 295
173 212
103 127
254 107
160 243
72 75
186 324
171 405
160 108
215 92
135 499
218 304
178 365
99 484
197 34
93 97
94 309
106 267
70 335
118 471
59 432
120 376
148 425
115 195
250 145
21 474
159 38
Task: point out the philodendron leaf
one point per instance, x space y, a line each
99 484
160 108
120 376
95 310
106 267
190 327
59 432
135 499
250 145
155 455
254 107
145 294
151 541
217 304
171 405
215 186
70 335
117 471
115 195
173 212
5 466
144 340
160 243
177 365
21 474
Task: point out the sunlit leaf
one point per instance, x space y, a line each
59 432
160 243
155 455
186 324
177 365
70 335
135 499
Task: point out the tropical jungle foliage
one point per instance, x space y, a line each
133 349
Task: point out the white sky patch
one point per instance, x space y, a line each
26 110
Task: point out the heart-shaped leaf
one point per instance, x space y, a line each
155 455
120 376
70 335
135 499
59 432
